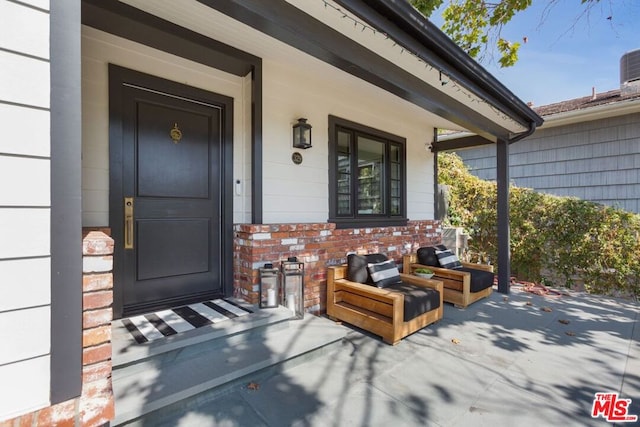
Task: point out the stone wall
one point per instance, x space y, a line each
319 245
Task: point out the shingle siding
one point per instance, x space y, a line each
597 160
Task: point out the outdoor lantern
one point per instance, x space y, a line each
269 287
302 134
293 286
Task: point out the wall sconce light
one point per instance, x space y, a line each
302 134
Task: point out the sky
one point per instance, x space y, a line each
565 54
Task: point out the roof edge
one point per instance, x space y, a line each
593 113
409 20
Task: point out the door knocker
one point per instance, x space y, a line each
175 133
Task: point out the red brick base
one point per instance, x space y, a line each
318 246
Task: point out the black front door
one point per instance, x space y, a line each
171 227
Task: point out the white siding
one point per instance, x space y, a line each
27 290
24 80
22 386
98 50
24 232
25 131
29 180
25 277
300 193
315 90
17 36
597 161
28 332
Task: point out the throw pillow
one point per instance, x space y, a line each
384 273
448 259
427 255
357 267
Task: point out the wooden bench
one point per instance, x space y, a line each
377 310
457 284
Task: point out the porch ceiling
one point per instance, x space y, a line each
299 32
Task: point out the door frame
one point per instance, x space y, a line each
119 76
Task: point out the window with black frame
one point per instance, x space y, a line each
367 176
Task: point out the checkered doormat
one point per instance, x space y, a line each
160 324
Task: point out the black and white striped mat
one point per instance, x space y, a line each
152 326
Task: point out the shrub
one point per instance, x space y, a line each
553 238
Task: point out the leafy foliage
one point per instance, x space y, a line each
476 25
553 239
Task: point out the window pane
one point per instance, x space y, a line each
395 188
344 183
344 173
344 204
395 153
395 206
370 176
395 171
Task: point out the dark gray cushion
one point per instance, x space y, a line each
480 279
384 273
417 300
427 255
357 270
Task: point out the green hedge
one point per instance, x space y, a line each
553 239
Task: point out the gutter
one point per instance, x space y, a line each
528 132
456 61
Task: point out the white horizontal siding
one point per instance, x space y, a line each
28 332
24 80
40 4
26 39
27 181
25 277
300 193
24 233
24 386
25 131
25 290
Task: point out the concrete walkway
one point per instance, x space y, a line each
521 360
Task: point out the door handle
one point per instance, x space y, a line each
128 222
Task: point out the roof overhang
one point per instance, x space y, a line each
457 141
400 51
294 23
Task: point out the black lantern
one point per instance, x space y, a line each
269 287
302 134
293 286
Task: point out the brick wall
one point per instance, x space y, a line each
318 246
95 406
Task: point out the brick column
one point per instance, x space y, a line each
96 402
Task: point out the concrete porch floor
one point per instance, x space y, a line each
503 361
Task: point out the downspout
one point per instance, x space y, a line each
504 233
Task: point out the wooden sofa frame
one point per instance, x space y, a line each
379 311
457 284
